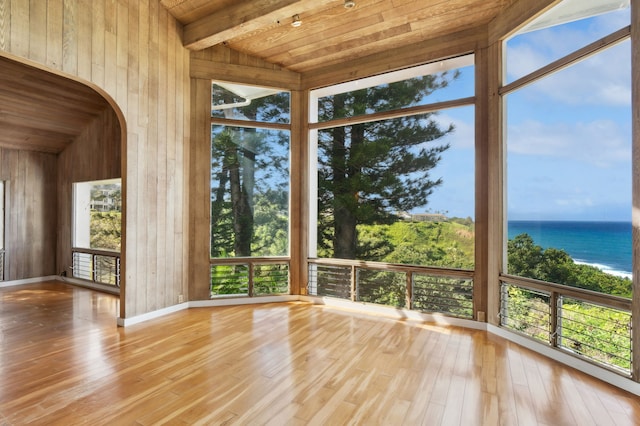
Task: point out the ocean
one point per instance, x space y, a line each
606 245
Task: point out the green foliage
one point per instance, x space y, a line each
598 333
368 171
529 260
105 230
229 279
595 332
445 244
382 287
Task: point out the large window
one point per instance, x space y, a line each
393 167
249 171
569 175
569 156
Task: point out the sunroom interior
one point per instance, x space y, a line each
165 105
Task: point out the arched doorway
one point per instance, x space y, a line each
55 130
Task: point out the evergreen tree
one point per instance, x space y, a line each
369 171
238 154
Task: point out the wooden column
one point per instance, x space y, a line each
299 199
491 181
199 191
481 278
635 100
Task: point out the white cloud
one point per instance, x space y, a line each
463 134
600 143
601 79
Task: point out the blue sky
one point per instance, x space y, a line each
568 135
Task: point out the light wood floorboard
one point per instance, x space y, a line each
63 361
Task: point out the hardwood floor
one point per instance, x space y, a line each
64 361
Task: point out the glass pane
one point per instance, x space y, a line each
249 192
422 90
98 215
399 190
241 102
562 31
569 175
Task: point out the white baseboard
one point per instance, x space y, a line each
125 322
396 313
28 281
89 284
230 301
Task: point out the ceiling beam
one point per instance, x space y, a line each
243 18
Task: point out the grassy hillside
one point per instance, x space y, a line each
449 244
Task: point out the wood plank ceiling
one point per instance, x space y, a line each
330 33
40 111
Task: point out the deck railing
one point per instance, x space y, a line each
100 266
249 277
425 289
587 324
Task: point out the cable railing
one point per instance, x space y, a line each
99 266
425 289
586 324
249 277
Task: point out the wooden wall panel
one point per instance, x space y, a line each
132 51
95 155
30 213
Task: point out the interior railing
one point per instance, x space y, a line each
249 277
100 266
425 289
587 324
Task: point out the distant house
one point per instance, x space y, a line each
426 217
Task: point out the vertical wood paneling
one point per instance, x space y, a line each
84 40
97 42
19 43
54 33
30 208
111 47
131 50
71 36
199 191
5 24
95 155
122 56
38 30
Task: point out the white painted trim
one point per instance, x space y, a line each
232 301
90 284
397 313
566 359
28 281
125 322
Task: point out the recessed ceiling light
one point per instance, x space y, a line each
348 4
296 21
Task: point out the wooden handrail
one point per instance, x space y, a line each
397 267
602 299
98 252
